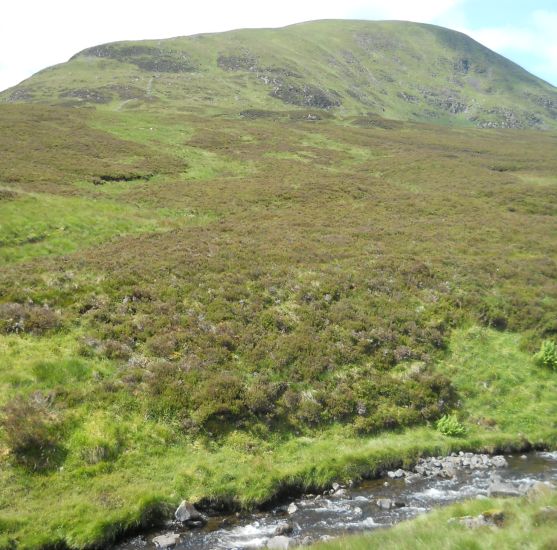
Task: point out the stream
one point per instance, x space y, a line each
373 504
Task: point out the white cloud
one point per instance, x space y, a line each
425 11
37 33
534 44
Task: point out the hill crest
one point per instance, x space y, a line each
395 69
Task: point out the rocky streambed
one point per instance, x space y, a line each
398 495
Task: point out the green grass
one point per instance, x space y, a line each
493 374
111 444
31 364
40 225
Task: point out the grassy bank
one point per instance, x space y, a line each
527 523
153 467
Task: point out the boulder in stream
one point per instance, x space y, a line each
292 508
170 540
284 529
500 488
341 493
499 461
388 504
188 514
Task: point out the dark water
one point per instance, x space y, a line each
333 516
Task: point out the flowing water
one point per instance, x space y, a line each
331 516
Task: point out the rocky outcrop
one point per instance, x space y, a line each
147 58
494 518
305 95
188 515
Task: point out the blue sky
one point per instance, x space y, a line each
35 34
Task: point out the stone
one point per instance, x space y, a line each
284 529
493 518
388 504
384 503
166 541
187 512
412 478
499 488
336 486
499 461
279 543
292 508
358 512
421 470
341 493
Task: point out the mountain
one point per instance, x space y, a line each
395 69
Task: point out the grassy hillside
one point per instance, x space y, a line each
399 70
196 304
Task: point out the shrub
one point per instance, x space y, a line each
547 356
261 396
30 432
449 425
30 319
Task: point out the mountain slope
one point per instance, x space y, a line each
399 70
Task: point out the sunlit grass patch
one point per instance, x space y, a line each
30 363
500 384
41 225
536 179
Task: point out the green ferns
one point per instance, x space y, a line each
547 356
449 425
